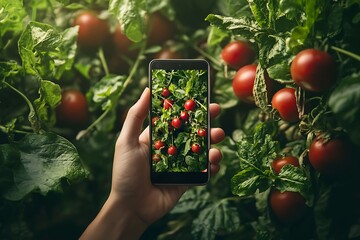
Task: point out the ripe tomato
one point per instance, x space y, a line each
172 150
190 105
167 53
156 157
160 29
313 70
184 116
123 44
165 92
329 157
287 207
279 162
243 83
202 132
176 123
93 31
168 103
159 144
238 54
153 120
284 101
73 109
195 148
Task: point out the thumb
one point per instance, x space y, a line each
135 118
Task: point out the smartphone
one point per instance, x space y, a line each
179 122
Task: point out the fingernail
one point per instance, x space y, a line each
145 90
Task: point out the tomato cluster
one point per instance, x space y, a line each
178 122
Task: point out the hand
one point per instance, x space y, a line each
134 203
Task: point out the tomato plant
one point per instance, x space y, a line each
190 105
279 162
202 132
176 123
284 101
165 92
184 116
172 150
156 157
159 144
168 103
238 54
196 148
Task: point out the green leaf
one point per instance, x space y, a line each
219 217
260 12
44 160
50 97
234 8
9 68
193 199
344 102
247 182
128 12
216 36
106 90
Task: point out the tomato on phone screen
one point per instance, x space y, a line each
179 127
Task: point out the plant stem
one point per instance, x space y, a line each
103 61
205 54
5 129
88 129
350 54
200 104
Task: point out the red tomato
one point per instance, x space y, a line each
167 53
184 116
159 144
278 163
176 123
202 132
329 157
243 83
160 29
93 31
287 207
153 120
284 101
238 54
156 157
313 70
165 92
172 150
190 105
73 109
123 44
195 148
168 103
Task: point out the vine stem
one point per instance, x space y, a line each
103 61
126 83
200 104
5 129
350 54
213 60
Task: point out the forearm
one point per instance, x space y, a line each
114 222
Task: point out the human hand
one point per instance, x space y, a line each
134 203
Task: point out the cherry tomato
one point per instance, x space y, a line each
287 207
202 132
190 105
160 29
176 123
243 83
238 54
278 163
73 109
331 157
168 103
172 150
156 157
123 44
195 148
284 101
313 70
153 120
165 92
159 144
184 116
93 31
167 53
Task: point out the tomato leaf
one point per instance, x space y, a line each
344 102
193 199
218 217
247 182
50 97
44 160
128 13
260 12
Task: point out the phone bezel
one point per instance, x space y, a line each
180 178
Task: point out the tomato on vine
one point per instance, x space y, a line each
176 123
73 109
243 83
202 132
190 105
284 101
93 31
278 163
160 29
172 150
313 70
156 157
168 103
159 144
238 54
154 120
165 92
184 116
195 148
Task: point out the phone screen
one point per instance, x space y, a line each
179 121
